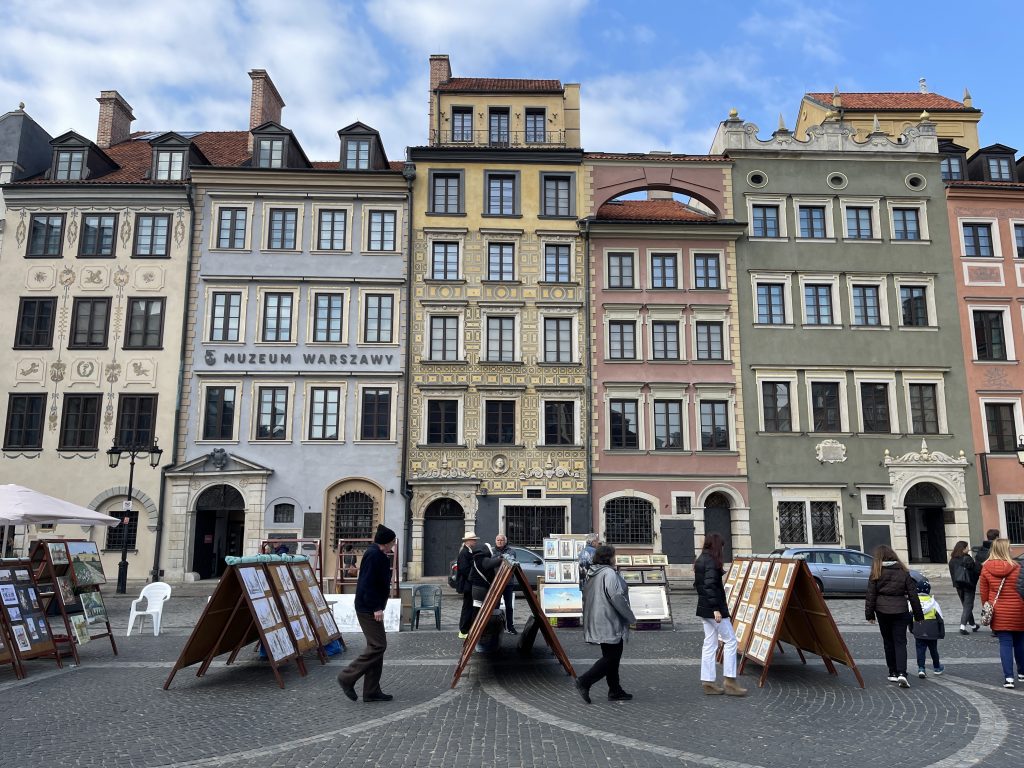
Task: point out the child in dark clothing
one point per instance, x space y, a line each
931 610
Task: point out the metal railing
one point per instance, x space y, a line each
447 137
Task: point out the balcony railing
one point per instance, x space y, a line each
448 137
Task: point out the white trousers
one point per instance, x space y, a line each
713 632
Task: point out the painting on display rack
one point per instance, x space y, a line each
86 566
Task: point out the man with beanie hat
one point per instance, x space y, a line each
371 598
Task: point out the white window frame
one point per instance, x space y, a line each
346 313
314 245
832 281
678 253
1008 334
880 282
486 313
776 200
715 392
815 202
307 403
665 314
723 280
626 392
876 223
577 400
806 496
364 293
789 377
261 293
393 427
1018 419
625 315
559 314
288 204
209 290
431 312
922 221
254 410
670 392
523 501
635 253
997 246
574 268
1001 500
364 229
786 278
889 379
249 207
711 315
912 377
460 245
872 490
929 297
434 394
671 514
827 377
205 384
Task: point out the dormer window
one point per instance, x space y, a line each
999 169
70 164
952 169
170 165
357 154
271 153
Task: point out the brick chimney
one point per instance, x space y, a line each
115 122
440 72
266 102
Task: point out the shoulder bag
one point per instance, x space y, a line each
989 609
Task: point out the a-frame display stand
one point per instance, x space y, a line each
24 631
318 611
501 580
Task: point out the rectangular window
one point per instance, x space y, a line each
665 340
812 221
98 235
535 127
501 261
706 272
825 522
556 264
501 339
332 230
136 417
818 304
270 153
219 413
766 221
357 154
924 409
282 229
622 339
714 425
978 239
70 165
382 231
858 223
989 337
445 262
277 317
46 234
442 422
444 338
170 165
324 410
446 196
225 316
528 525
501 194
874 407
500 422
35 323
284 513
80 425
866 310
1014 511
557 340
89 323
951 169
462 124
668 424
771 307
376 414
328 322
775 403
622 424
152 236
1018 239
145 327
825 410
620 270
231 223
914 305
709 341
664 268
1001 427
999 169
498 127
378 322
272 419
905 224
792 522
25 423
559 422
557 195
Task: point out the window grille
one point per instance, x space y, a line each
1015 522
284 513
876 502
117 534
354 514
683 505
527 525
825 522
792 523
629 520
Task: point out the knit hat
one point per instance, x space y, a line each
384 535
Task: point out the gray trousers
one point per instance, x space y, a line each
370 663
966 595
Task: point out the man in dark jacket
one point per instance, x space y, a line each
371 598
501 547
464 567
985 549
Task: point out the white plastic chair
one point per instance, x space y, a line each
155 595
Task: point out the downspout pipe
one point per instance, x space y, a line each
588 375
409 174
156 572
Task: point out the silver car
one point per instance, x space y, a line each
532 565
836 569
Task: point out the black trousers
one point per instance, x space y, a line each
607 666
507 597
893 627
468 614
966 595
370 663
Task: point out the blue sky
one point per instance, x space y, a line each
654 75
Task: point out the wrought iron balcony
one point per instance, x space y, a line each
455 137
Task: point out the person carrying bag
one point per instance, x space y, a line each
1003 609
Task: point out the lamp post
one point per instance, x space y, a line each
114 455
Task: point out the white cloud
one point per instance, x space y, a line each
812 29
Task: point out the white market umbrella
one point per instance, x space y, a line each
23 506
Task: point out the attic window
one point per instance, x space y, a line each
999 169
270 154
70 164
170 165
357 154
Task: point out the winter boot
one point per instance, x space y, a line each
732 688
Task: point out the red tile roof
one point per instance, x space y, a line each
650 210
995 184
655 158
499 85
890 101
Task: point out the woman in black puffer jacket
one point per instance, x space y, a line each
481 575
892 595
714 614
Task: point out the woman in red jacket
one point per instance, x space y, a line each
998 586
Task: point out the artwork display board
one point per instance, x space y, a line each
243 609
318 610
560 594
24 630
350 557
306 547
344 612
779 602
502 579
648 589
296 619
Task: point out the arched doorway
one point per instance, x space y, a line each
219 530
926 524
718 519
443 526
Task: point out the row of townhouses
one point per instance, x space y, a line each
808 337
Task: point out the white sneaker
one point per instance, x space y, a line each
902 681
892 678
1008 683
1020 677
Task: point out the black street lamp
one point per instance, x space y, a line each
114 455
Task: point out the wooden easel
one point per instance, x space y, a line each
319 612
32 627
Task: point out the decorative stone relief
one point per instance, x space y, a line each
444 473
179 227
21 232
41 278
30 370
121 277
67 277
112 372
830 452
72 236
149 278
108 413
85 371
996 378
95 278
499 464
924 456
984 275
126 228
57 371
140 371
548 472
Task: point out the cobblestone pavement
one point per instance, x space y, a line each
507 711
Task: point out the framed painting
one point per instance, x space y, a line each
550 549
561 600
623 559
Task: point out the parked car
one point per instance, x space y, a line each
836 569
532 565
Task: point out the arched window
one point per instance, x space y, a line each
117 534
629 520
354 514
